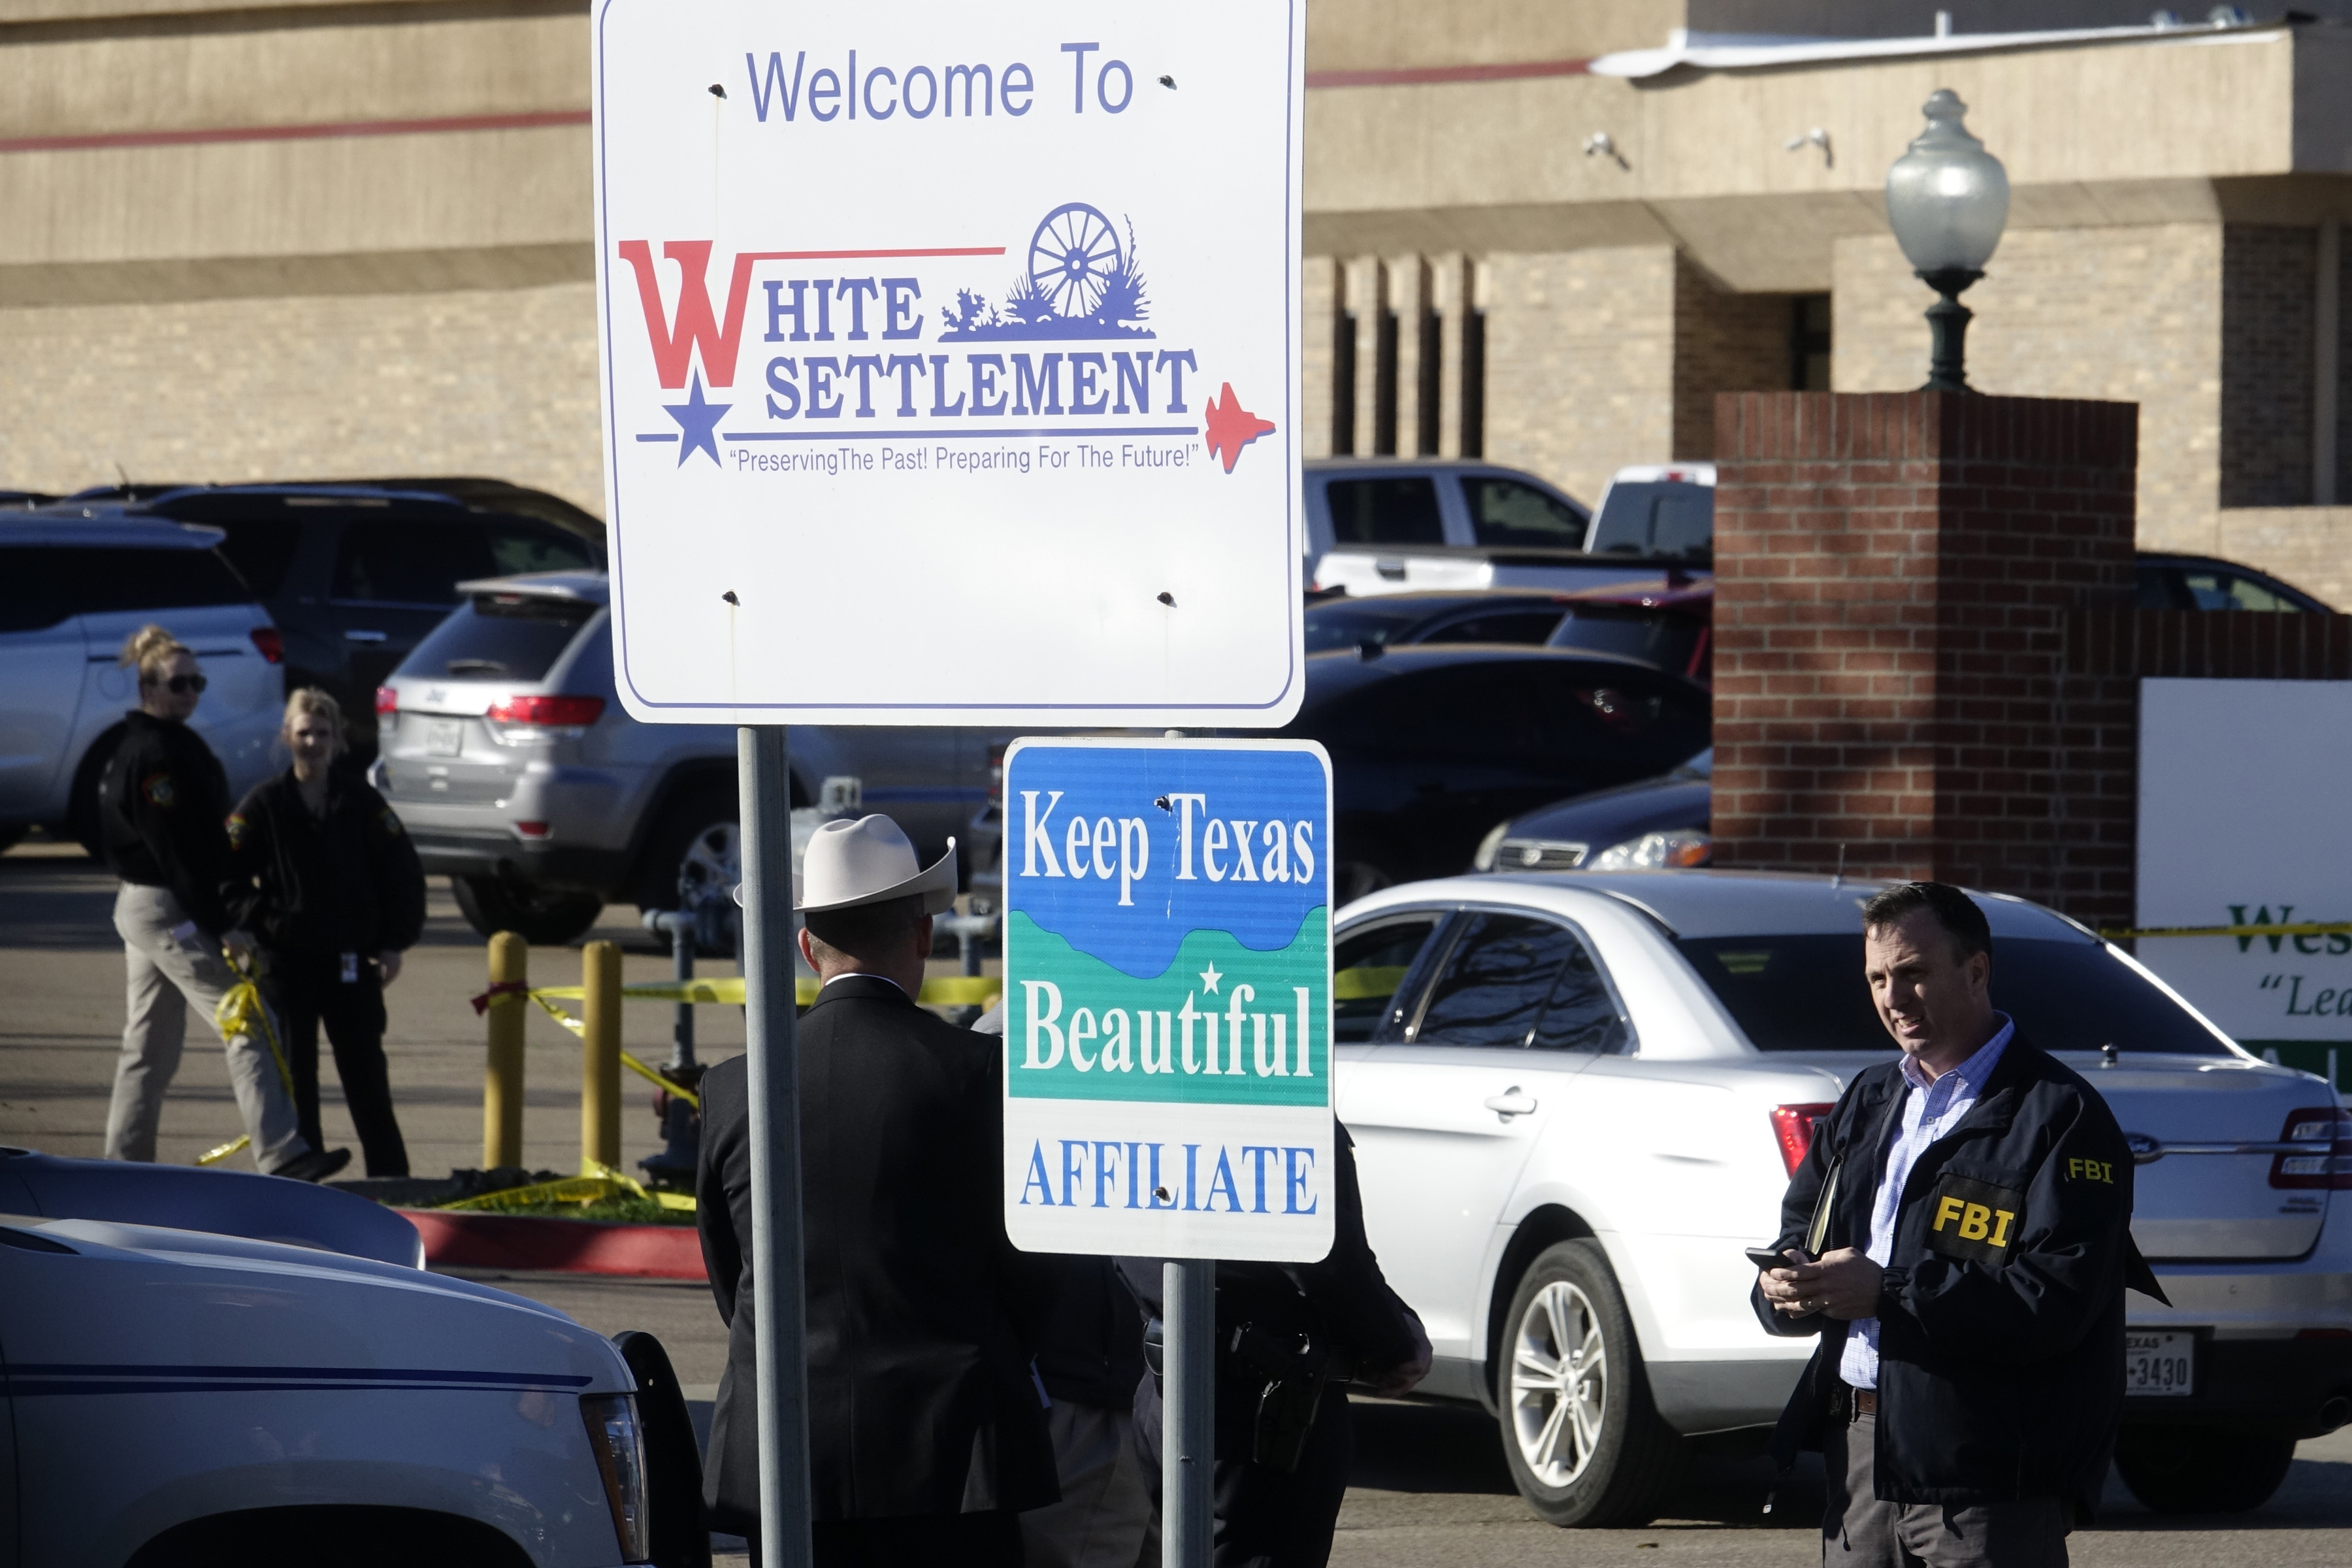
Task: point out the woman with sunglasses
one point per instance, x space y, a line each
329 883
162 810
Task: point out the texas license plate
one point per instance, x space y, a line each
2159 1363
445 738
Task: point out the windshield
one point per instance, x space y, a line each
1666 639
1807 994
1344 625
500 637
1660 518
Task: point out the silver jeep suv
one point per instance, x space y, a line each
504 747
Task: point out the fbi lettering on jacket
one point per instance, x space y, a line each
1973 1221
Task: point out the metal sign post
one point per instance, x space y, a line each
777 1278
1188 1409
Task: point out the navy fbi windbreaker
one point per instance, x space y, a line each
2002 1310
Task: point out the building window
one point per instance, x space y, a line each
1343 386
1474 382
1384 386
1808 342
1432 378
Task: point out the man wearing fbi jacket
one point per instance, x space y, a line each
927 1430
1967 1210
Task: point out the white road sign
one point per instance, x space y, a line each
951 360
1168 998
2241 822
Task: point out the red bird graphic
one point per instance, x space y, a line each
1232 426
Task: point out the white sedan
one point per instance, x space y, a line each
174 1397
1575 1098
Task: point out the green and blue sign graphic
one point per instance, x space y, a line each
1168 971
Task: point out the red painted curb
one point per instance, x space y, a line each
558 1245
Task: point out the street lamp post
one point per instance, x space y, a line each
1947 200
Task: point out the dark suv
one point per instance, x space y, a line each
355 575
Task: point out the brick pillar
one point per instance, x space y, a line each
1897 575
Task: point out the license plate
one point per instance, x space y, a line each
2160 1365
445 738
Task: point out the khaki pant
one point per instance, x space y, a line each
1858 1531
1105 1517
167 973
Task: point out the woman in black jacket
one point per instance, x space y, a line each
329 882
161 802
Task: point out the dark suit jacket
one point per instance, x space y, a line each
921 1317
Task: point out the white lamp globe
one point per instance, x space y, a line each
1947 197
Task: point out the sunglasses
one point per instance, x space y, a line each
180 684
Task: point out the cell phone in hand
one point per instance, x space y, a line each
1765 1258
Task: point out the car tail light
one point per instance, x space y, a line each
996 775
387 702
269 643
2327 1131
562 712
619 1446
1794 1125
530 720
534 829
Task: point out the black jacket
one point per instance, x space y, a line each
162 806
1091 1352
921 1317
2001 1310
347 882
1342 1297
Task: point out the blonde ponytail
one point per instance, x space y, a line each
151 650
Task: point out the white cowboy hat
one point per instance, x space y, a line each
870 861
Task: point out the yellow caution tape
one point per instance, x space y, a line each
627 1059
949 991
241 1012
595 1183
684 1201
2300 928
946 991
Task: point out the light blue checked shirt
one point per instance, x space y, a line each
1927 1115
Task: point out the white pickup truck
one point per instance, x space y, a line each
176 1397
1394 525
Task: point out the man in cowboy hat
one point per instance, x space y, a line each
926 1432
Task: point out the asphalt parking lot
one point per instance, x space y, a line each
1429 1482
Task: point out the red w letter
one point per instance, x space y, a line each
695 329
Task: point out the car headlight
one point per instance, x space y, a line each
1655 851
620 1446
1485 859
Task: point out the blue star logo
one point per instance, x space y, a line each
699 423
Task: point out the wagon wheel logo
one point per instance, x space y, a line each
1073 257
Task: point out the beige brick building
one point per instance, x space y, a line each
316 238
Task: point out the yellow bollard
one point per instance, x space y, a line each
502 1082
600 1055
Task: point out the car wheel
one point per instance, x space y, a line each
1584 1442
542 916
698 848
2202 1469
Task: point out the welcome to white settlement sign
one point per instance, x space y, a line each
951 360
